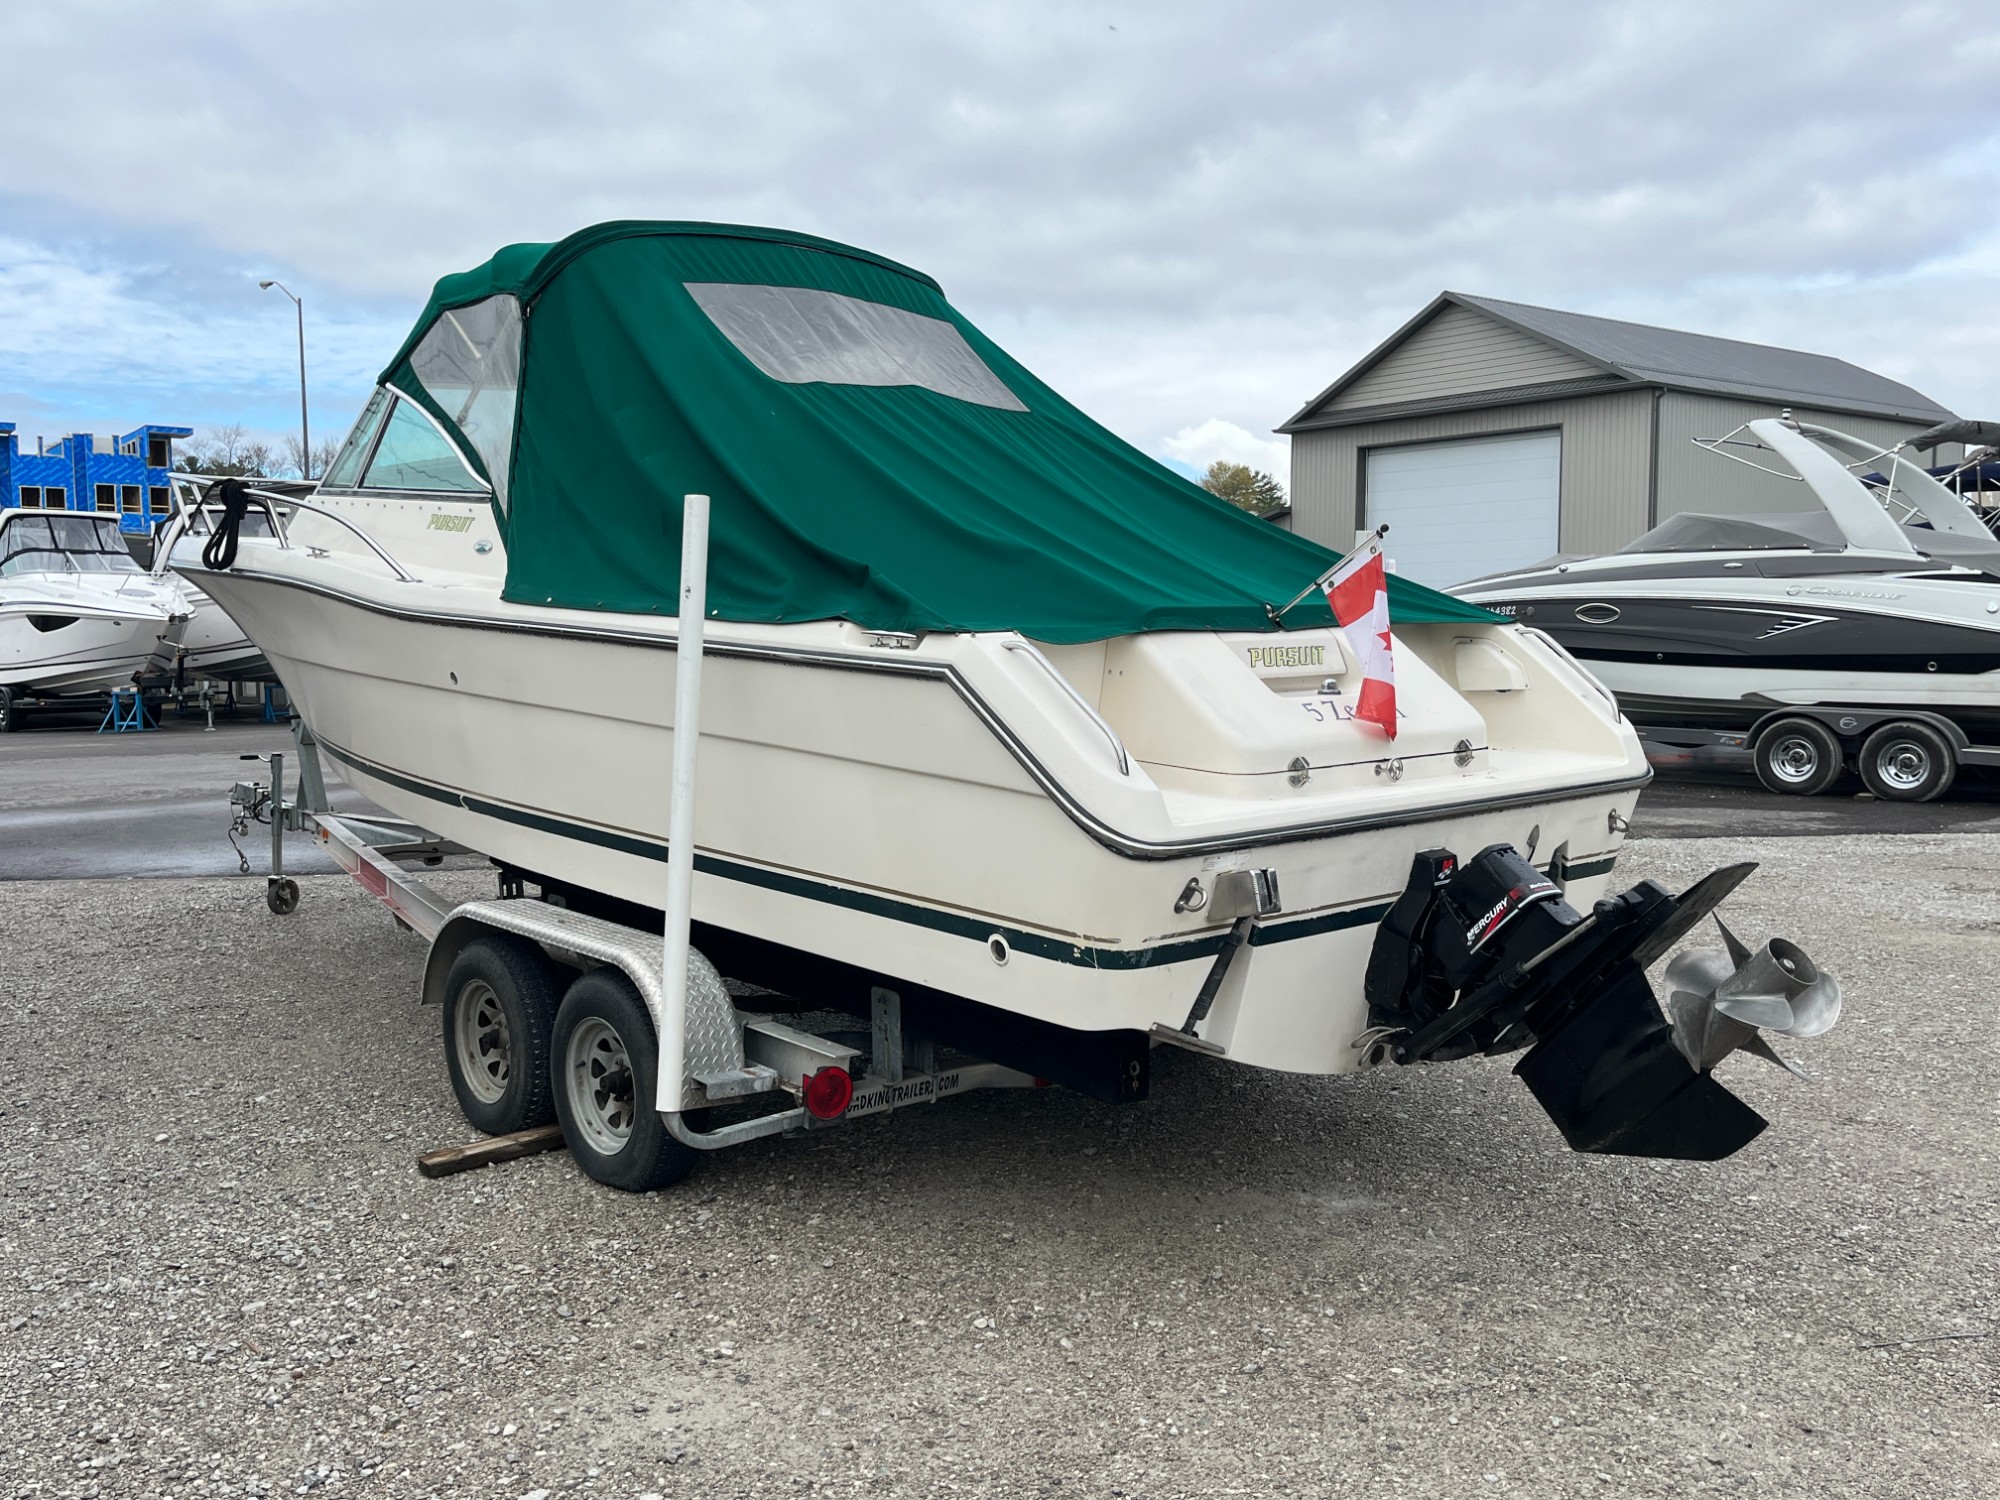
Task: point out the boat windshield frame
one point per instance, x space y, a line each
67 557
381 409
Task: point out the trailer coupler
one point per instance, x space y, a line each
1487 957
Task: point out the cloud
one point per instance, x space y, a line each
97 339
1201 445
1202 215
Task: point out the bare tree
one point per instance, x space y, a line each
322 457
230 450
226 450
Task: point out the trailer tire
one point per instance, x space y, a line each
606 1068
10 717
499 1018
1908 762
281 895
1798 757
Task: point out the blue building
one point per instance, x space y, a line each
128 481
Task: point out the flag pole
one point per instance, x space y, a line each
1278 615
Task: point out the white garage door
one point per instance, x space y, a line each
1463 509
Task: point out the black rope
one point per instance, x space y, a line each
220 553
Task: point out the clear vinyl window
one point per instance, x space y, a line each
803 337
469 363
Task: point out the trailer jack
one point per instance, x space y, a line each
1488 958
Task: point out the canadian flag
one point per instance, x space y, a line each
1358 590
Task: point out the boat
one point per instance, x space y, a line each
215 647
1863 631
78 616
996 710
209 645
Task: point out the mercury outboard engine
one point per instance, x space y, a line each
1487 957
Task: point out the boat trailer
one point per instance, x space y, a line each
734 1056
1479 956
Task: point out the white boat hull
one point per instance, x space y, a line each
90 651
214 646
937 815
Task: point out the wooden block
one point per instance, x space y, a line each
447 1160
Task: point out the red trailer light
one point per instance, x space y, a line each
827 1092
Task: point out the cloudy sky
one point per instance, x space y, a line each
1189 218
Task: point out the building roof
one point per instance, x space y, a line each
1638 354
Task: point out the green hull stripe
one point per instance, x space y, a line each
1038 945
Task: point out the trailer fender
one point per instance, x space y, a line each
582 942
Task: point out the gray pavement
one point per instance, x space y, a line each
80 805
1715 793
223 1276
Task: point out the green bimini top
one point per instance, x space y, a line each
871 455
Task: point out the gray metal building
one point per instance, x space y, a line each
1490 434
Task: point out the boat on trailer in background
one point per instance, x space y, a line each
1004 743
78 617
87 609
1862 632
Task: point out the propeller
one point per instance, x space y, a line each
1725 999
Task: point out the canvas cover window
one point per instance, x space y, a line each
413 455
802 337
469 363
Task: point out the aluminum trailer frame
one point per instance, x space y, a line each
1851 734
731 1054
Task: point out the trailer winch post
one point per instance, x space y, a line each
277 816
680 813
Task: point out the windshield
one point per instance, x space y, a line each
354 452
414 455
63 544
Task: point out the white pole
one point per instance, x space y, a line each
680 813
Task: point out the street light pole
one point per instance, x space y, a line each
305 432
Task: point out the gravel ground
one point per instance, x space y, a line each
223 1276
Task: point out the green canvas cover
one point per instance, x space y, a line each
896 506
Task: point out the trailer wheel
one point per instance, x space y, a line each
1908 762
1799 757
499 1014
282 896
607 1083
10 720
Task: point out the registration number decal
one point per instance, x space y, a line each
1326 710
